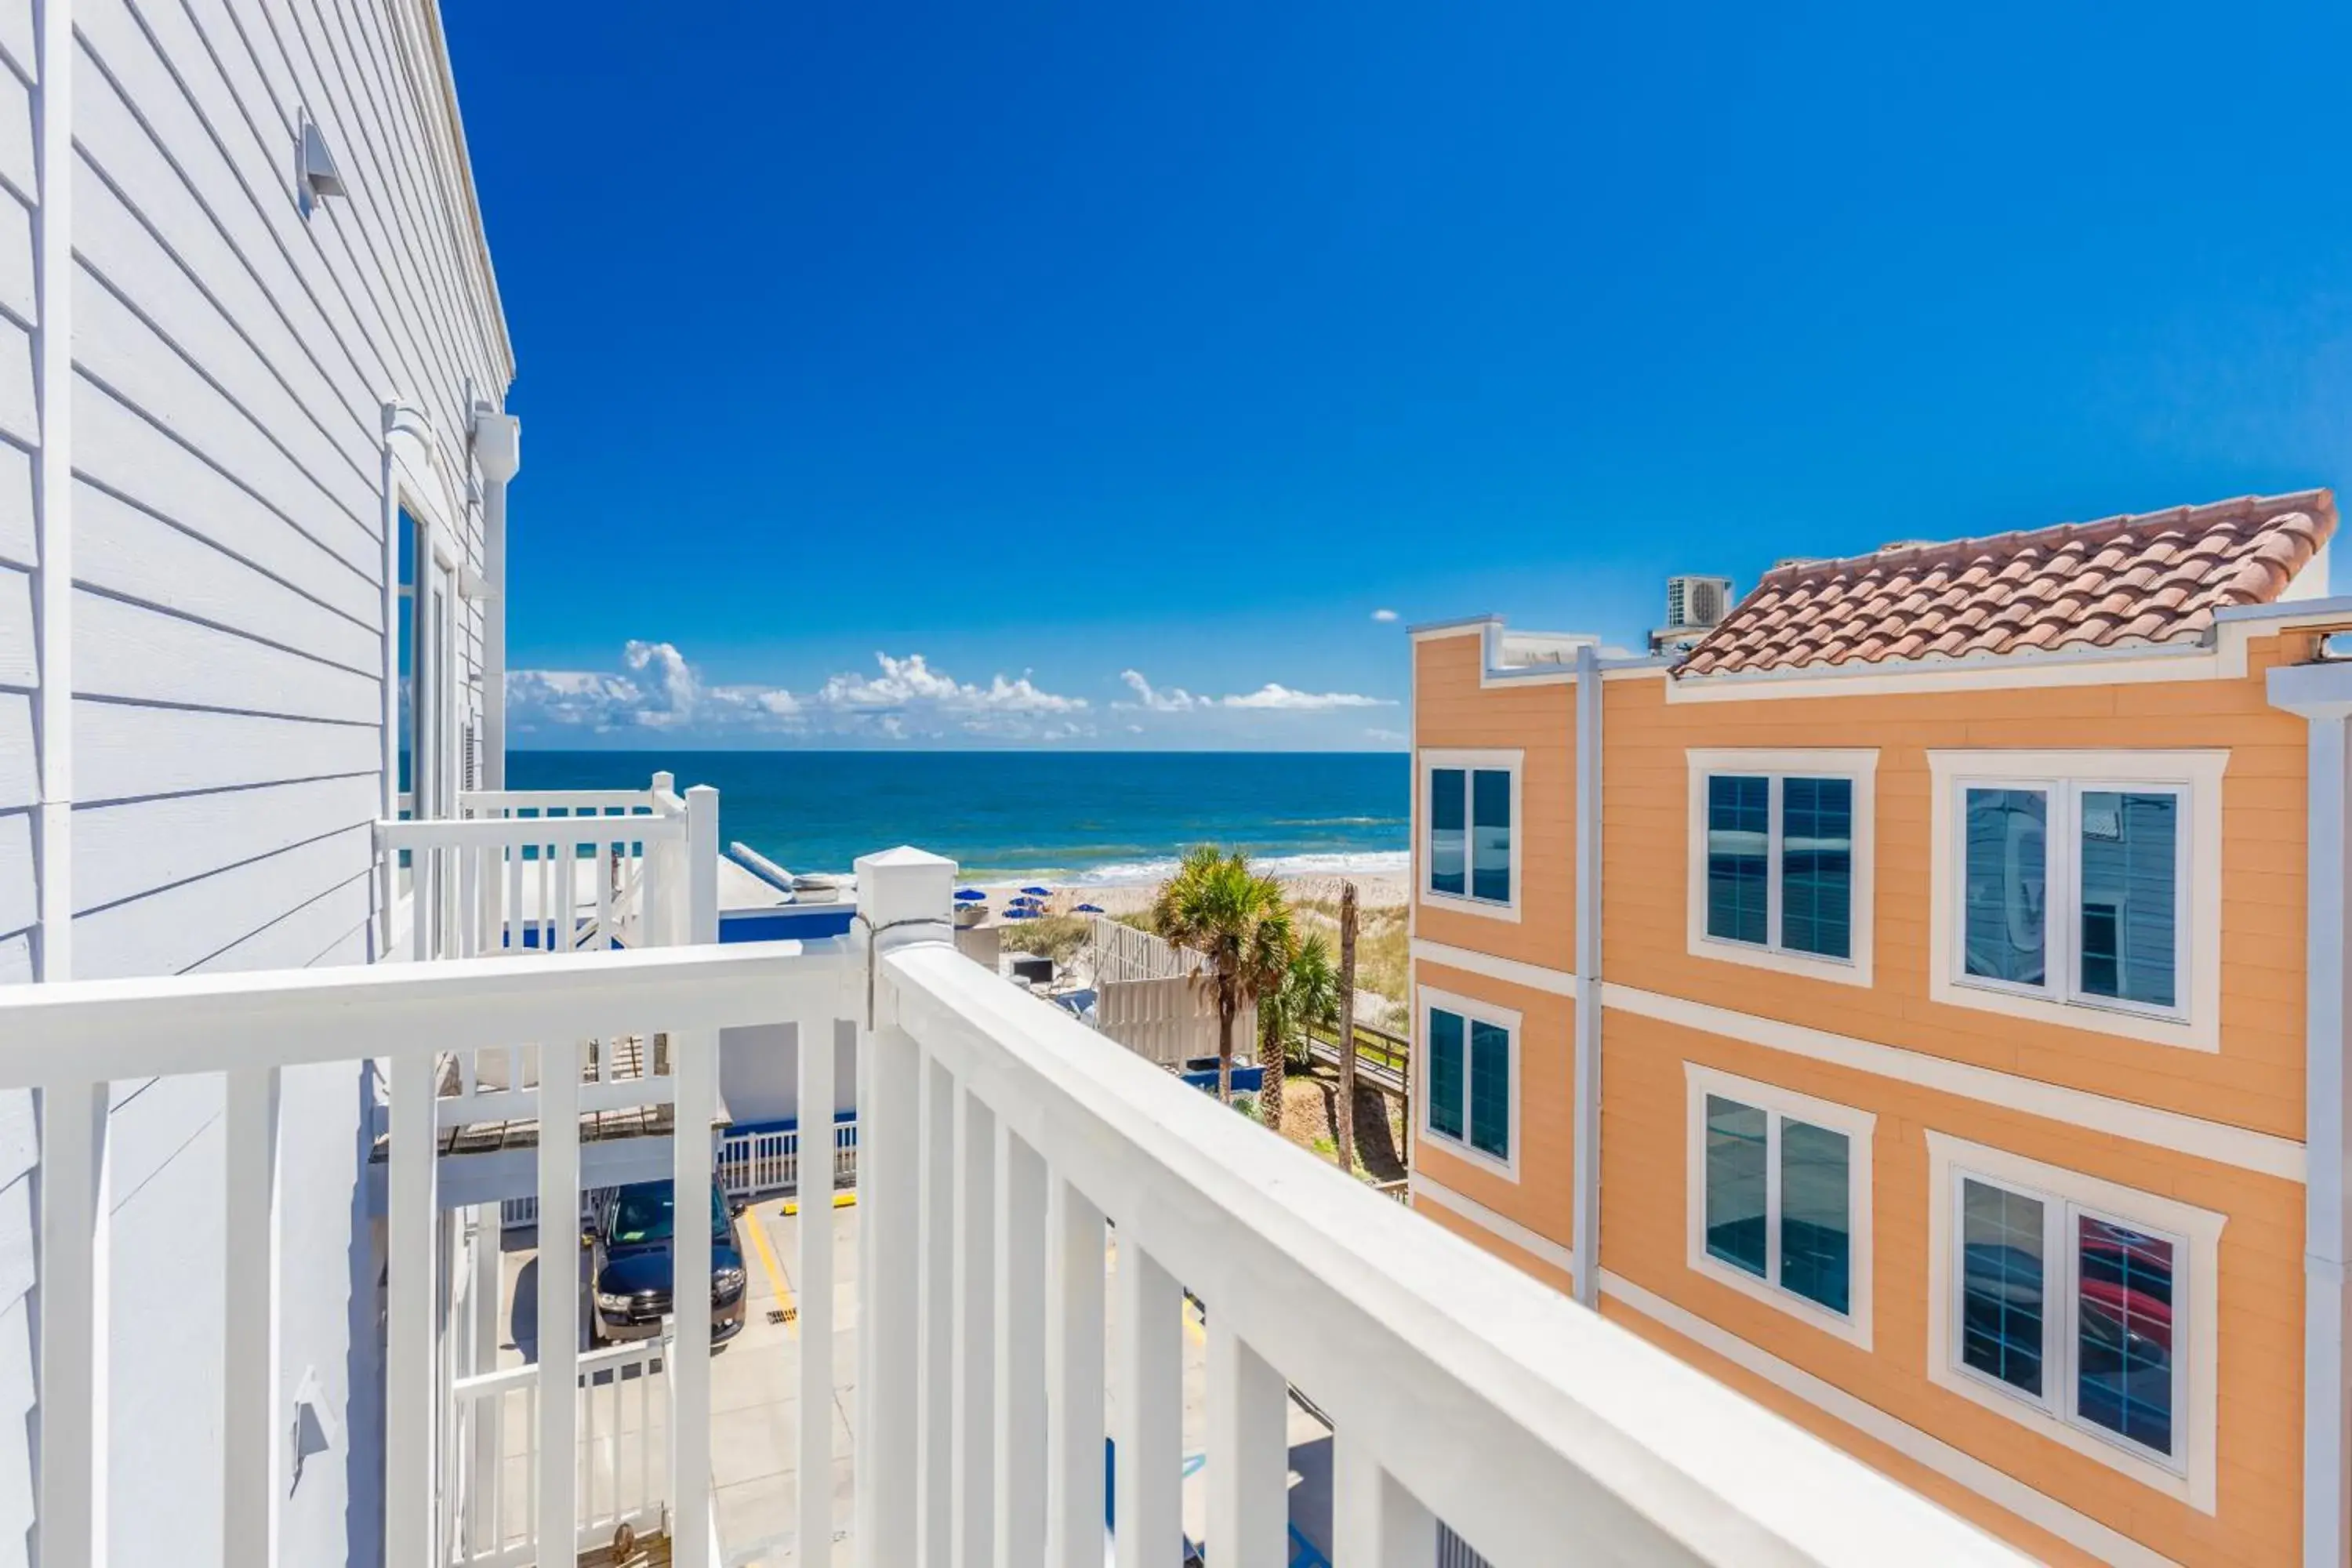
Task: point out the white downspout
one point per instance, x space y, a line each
2322 695
498 447
1584 1230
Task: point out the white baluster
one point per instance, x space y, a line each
974 1333
559 1295
889 1327
410 1288
1074 1370
694 1086
512 938
937 1219
604 900
815 1270
1249 1452
1375 1522
1018 1440
1151 1403
250 1320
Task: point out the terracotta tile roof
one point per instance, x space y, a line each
2120 582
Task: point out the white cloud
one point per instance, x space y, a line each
1176 699
1384 614
1384 736
1281 697
656 687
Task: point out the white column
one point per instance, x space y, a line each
702 865
250 1322
974 1333
815 1270
53 481
559 1299
483 1437
1249 1453
1149 1475
1375 1522
2322 695
409 1247
936 1293
1019 1438
1074 1371
694 1086
498 447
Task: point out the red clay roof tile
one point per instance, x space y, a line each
2123 581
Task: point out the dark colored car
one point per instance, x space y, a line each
633 1271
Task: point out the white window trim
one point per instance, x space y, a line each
2190 1476
2195 1023
1490 761
1854 1325
1861 767
1426 998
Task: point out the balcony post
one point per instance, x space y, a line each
1375 1522
702 865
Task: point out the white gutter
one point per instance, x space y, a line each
1584 1231
498 447
2322 695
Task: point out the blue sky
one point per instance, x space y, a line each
903 375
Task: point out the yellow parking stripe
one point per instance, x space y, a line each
775 1273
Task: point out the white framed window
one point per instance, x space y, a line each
1470 817
1783 860
2078 1307
2081 888
1466 1073
1778 1196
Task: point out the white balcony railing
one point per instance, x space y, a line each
1005 1151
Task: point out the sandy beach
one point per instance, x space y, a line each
1380 890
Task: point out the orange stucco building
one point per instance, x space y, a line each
1921 1006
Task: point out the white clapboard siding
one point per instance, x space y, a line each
127 551
126 650
123 751
175 929
17 545
121 851
19 664
19 432
19 779
17 909
19 411
119 448
16 256
17 116
329 928
16 969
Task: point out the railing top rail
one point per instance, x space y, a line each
1497 1401
524 1375
94 1030
496 832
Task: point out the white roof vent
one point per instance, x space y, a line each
315 176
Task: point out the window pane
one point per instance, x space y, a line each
1490 836
2001 1292
2129 894
1447 816
1445 1072
1735 1183
1490 1088
1816 1230
2007 883
2123 1348
1738 831
1816 866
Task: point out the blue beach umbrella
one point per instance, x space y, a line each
1087 910
971 896
1021 914
1036 892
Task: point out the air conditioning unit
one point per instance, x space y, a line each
1697 602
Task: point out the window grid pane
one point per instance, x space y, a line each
1816 866
2008 884
2129 901
1736 1183
2002 1290
1445 1072
2124 1331
1739 849
1448 819
1490 836
1816 1224
1490 1089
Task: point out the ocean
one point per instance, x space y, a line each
1108 817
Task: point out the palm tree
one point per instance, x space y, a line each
1308 995
1214 905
